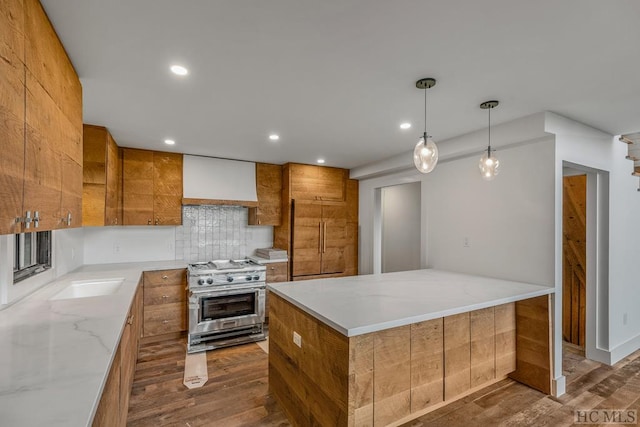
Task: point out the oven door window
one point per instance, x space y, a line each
222 307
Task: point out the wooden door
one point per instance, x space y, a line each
167 188
12 111
306 243
574 263
334 237
137 187
269 190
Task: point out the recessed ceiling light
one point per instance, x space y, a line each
405 125
179 70
169 142
274 137
320 161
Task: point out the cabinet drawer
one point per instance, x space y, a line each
161 277
277 272
165 318
155 294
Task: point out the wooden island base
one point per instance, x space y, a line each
395 375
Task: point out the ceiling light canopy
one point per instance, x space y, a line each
179 70
489 165
425 155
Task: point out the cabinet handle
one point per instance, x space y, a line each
165 296
27 219
157 221
36 219
165 322
130 319
148 222
116 221
273 268
165 277
324 238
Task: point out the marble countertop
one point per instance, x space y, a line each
55 354
361 304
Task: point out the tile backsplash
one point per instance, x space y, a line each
218 232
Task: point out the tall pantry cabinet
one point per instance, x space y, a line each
319 225
40 124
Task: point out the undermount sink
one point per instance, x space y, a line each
89 288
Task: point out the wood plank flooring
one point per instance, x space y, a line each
237 393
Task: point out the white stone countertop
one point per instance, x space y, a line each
358 305
55 355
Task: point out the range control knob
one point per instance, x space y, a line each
256 277
200 282
248 278
229 279
209 281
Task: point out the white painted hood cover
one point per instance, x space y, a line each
219 179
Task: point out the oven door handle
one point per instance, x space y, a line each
210 294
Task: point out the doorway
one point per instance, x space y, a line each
400 240
574 259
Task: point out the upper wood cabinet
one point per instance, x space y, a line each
310 182
269 189
40 124
102 176
152 187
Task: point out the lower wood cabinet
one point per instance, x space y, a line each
276 272
165 302
114 403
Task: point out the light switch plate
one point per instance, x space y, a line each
297 339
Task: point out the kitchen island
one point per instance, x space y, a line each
386 348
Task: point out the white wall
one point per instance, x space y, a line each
103 245
401 212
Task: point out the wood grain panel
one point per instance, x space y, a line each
282 233
533 343
457 355
427 364
483 346
309 382
505 327
12 115
361 366
165 318
113 183
334 237
137 187
94 175
47 60
310 182
306 237
167 188
71 192
392 374
269 191
162 277
108 411
165 286
276 272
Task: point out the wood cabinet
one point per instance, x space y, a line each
269 189
40 124
319 227
165 305
276 272
114 403
102 174
152 187
319 238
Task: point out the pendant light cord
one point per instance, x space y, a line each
425 115
489 147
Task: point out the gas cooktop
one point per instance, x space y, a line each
223 266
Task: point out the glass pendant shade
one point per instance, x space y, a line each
489 166
425 155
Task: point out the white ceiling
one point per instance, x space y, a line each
335 78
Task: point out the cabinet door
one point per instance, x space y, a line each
334 237
307 229
167 188
108 412
93 175
137 182
12 103
317 182
113 176
71 193
127 369
269 190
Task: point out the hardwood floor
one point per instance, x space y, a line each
237 393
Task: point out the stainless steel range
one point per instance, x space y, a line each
226 304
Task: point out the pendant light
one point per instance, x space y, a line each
425 155
489 165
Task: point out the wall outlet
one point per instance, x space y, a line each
466 242
116 248
297 339
625 318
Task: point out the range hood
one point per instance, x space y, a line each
213 181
